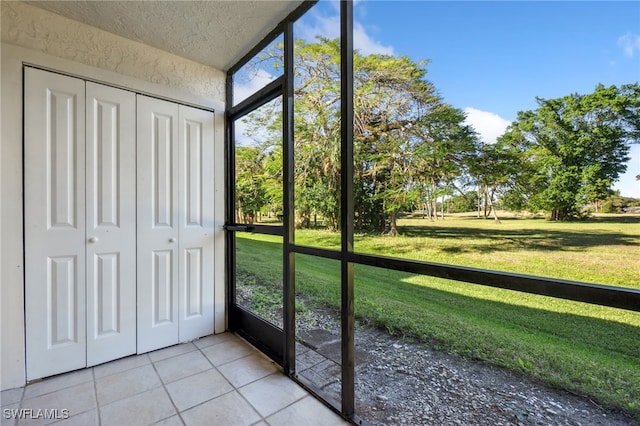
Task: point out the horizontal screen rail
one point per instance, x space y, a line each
242 228
268 93
318 252
615 297
256 229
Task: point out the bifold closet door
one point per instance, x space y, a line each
175 223
111 223
54 167
79 223
195 222
157 224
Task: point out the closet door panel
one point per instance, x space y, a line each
157 223
111 223
54 223
196 223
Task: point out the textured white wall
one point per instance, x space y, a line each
28 26
33 36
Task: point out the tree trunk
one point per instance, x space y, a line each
558 214
393 228
302 220
427 204
493 209
495 214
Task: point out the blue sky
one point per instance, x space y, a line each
492 59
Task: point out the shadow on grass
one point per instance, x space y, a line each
496 240
587 332
321 277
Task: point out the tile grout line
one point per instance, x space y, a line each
253 353
172 356
24 391
120 371
262 418
278 371
134 394
307 395
164 386
203 402
44 380
233 360
234 388
95 393
20 402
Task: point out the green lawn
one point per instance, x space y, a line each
586 349
601 250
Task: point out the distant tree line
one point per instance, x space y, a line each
414 151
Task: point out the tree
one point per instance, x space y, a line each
463 203
250 191
496 171
577 146
405 138
409 144
258 158
317 132
443 155
618 204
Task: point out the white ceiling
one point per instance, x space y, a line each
216 33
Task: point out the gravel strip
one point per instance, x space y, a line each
407 383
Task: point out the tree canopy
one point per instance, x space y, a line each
576 147
412 150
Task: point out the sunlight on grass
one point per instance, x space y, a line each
527 300
601 250
586 349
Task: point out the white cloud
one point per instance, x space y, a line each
488 125
328 26
250 83
630 44
324 26
366 45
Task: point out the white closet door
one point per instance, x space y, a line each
157 179
111 223
196 223
54 223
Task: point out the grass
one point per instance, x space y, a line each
585 349
601 250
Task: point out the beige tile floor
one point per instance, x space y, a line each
216 380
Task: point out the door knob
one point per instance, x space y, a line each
172 240
93 239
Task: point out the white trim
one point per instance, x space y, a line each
12 343
13 58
